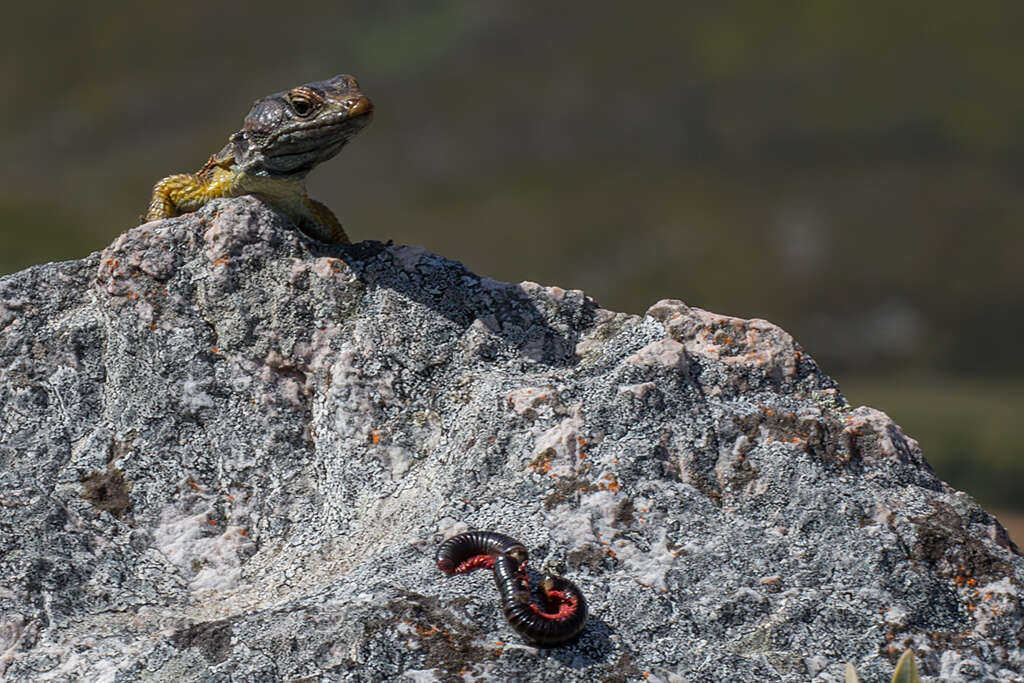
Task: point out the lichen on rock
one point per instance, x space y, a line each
229 451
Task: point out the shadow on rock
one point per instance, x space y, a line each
512 312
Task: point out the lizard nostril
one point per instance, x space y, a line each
360 105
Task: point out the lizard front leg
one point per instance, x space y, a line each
185 192
171 196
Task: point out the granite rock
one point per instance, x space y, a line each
228 452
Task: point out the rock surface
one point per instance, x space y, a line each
228 452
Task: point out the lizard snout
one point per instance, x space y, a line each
359 106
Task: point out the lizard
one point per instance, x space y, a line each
284 136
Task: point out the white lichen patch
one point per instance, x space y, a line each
648 568
356 392
557 448
533 402
993 601
396 460
593 523
207 552
896 617
194 397
641 391
666 353
12 629
449 527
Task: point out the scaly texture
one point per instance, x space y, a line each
229 453
284 136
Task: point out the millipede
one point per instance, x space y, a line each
476 550
553 614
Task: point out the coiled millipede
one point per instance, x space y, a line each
555 613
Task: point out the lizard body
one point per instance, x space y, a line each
284 136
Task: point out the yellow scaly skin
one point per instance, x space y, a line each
284 136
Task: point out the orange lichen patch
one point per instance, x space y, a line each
215 349
193 485
580 441
211 522
962 579
610 485
374 437
427 630
221 260
243 532
988 596
542 463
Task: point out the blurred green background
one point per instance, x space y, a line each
849 170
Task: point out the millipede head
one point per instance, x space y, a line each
519 554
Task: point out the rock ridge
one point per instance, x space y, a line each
228 452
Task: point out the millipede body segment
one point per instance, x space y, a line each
554 613
476 549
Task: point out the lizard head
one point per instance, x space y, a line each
288 133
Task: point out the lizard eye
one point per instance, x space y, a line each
301 106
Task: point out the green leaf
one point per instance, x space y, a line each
906 669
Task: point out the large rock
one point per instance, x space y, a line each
229 452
